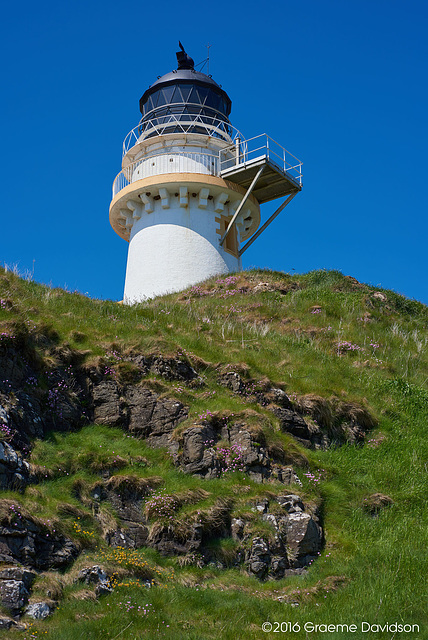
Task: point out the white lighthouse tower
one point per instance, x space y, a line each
188 197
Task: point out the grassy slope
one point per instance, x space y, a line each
293 340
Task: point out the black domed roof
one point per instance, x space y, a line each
185 87
185 74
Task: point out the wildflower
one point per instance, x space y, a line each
345 345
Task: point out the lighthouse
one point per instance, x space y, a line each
189 193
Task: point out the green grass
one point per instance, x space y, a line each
372 568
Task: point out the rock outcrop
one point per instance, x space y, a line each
26 540
126 495
296 541
15 584
211 448
216 447
169 540
137 409
312 420
74 395
39 610
14 470
96 576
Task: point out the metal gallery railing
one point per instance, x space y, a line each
181 123
246 152
167 162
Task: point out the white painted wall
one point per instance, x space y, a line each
172 249
176 161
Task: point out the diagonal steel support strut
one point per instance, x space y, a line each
242 203
267 223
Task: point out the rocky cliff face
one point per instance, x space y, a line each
36 397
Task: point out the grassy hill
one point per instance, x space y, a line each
343 352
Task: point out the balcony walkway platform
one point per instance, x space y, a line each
273 183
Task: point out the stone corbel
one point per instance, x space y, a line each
135 208
244 222
164 194
148 203
125 220
247 219
183 198
240 227
219 202
233 207
203 198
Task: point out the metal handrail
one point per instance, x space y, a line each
266 147
214 127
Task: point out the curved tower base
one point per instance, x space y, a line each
172 258
174 224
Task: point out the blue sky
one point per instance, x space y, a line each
342 85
